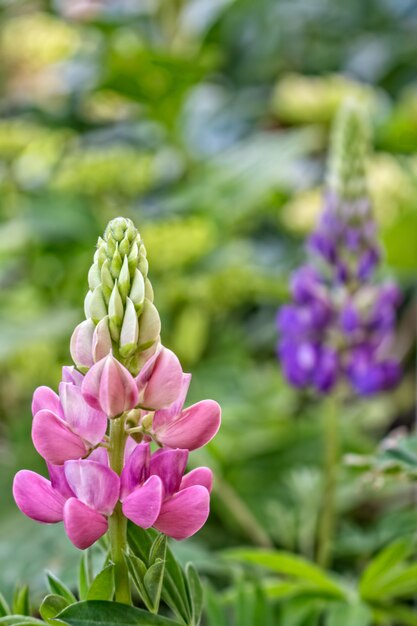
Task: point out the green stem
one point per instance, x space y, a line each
331 457
117 521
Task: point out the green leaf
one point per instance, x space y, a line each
102 587
102 613
153 580
4 607
262 613
195 591
14 620
20 604
288 564
214 610
59 588
343 614
84 575
51 606
174 592
401 585
383 567
158 549
137 571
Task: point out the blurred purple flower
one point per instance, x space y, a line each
341 320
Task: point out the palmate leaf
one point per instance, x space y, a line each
104 613
174 590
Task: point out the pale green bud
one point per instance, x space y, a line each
116 312
106 280
97 306
124 280
94 277
130 331
116 263
150 325
137 292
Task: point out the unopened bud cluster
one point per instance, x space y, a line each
121 316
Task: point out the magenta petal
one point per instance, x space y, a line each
166 416
36 497
99 455
185 513
87 422
45 398
109 386
169 465
83 525
143 505
136 469
94 484
59 481
162 380
200 476
54 440
196 426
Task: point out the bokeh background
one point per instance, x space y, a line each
206 122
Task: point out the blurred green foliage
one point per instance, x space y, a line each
206 123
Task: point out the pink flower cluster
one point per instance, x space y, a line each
69 432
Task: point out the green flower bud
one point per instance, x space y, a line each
124 280
97 306
120 297
150 325
130 331
116 312
348 154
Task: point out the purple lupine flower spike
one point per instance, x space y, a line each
341 320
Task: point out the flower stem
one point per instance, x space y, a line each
117 521
331 457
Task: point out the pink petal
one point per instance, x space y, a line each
185 513
161 381
100 455
36 497
81 346
169 465
143 505
196 426
83 525
45 398
93 484
58 480
199 476
71 375
54 440
129 447
109 386
87 422
136 469
166 416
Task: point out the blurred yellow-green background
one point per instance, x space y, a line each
206 122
